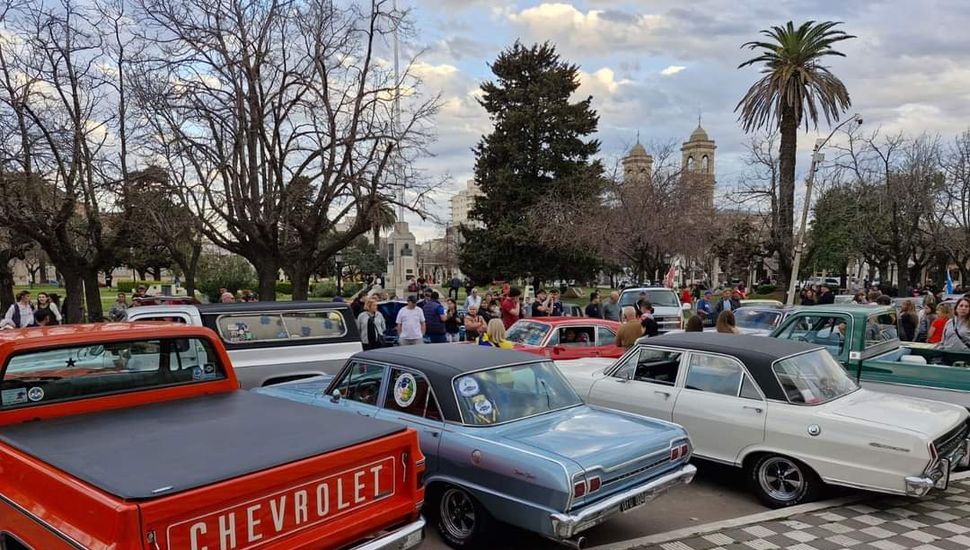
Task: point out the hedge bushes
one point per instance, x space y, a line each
130 286
328 289
766 289
284 287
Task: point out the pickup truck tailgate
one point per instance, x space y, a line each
238 470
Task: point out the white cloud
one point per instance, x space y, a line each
671 70
590 31
600 83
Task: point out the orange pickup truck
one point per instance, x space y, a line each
137 436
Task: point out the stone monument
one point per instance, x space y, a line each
401 260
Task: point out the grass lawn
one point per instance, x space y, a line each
108 295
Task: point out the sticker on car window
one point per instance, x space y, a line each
264 319
205 372
405 390
467 386
483 406
35 394
15 396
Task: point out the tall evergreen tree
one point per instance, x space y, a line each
538 152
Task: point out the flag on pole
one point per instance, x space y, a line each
671 276
949 282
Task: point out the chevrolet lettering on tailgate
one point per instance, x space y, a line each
262 520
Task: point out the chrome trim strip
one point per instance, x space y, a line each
30 515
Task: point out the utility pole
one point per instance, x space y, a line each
817 158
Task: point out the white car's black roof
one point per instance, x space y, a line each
757 353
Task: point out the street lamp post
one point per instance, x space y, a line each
817 158
338 258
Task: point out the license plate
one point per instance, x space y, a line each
633 502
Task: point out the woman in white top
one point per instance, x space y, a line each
956 332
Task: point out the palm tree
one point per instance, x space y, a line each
381 217
795 89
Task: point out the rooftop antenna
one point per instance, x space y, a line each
397 115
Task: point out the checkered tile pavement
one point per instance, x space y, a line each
938 522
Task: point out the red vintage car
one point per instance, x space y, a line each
566 337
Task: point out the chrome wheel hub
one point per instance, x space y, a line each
781 479
457 513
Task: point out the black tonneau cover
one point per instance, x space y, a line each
163 448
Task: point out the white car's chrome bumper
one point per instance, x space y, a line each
937 476
565 526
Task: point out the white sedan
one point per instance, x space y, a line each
785 412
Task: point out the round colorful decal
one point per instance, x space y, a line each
483 406
467 386
405 390
35 394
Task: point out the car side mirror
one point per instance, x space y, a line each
335 396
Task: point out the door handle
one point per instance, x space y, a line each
666 394
621 380
758 410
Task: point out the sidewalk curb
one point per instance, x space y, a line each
695 530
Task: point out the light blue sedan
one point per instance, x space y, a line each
506 438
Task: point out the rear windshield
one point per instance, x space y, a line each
657 297
528 333
51 375
755 319
881 328
504 394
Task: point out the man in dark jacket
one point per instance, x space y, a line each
730 301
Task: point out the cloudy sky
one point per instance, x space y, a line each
652 65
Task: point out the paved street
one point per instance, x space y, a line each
717 493
854 520
938 522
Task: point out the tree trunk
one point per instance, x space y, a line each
141 274
71 308
267 272
786 195
157 275
299 274
6 287
92 295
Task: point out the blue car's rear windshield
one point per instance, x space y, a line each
505 394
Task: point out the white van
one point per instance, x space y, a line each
271 342
667 310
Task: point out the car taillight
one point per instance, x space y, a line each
579 489
933 454
594 484
679 451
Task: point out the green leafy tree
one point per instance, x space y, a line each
362 257
538 152
833 240
796 90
